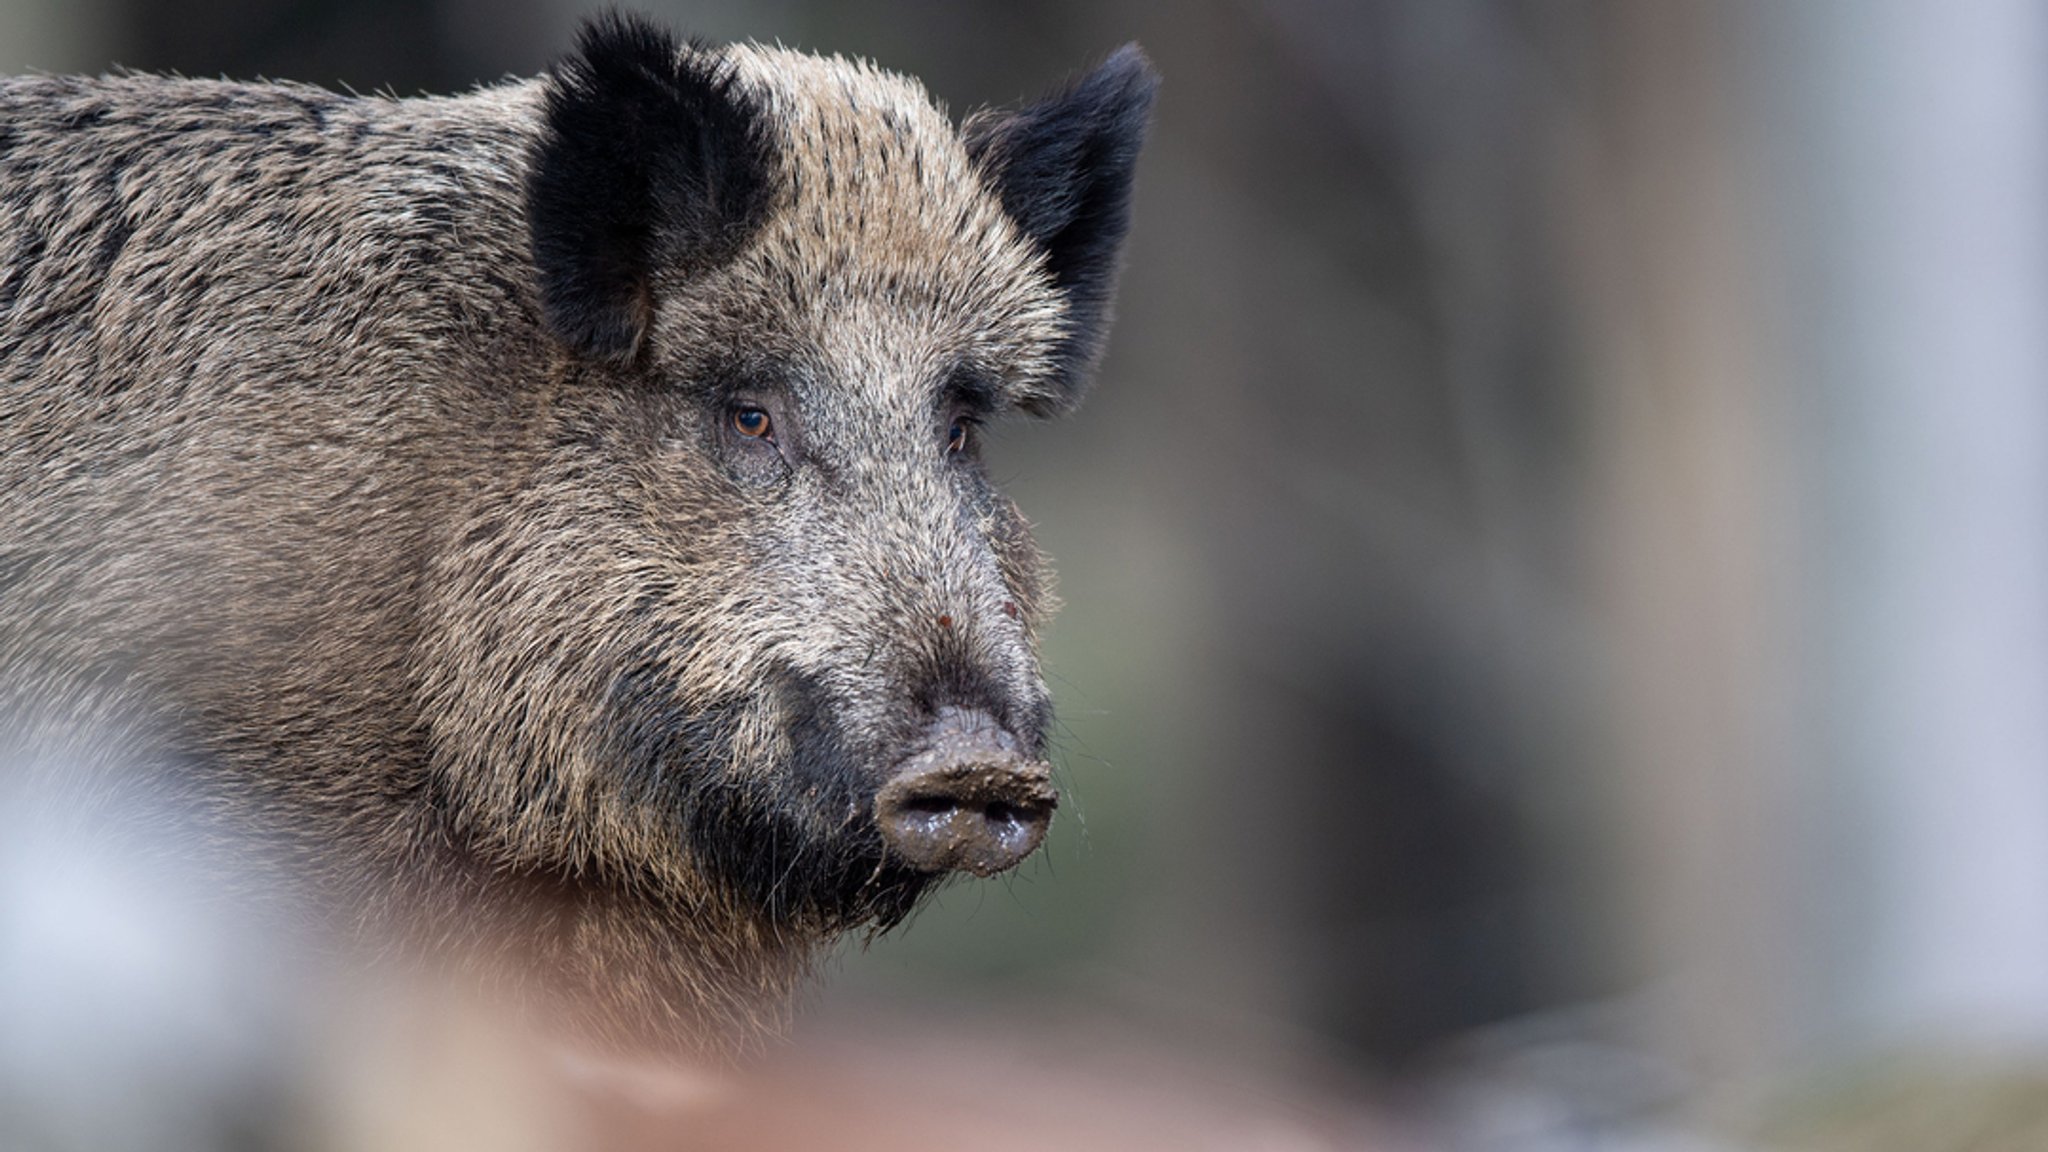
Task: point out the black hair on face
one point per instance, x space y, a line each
796 841
650 157
1063 169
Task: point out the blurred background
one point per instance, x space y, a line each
1556 651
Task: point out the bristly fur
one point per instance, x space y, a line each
1063 168
372 462
680 158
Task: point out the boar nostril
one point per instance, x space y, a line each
969 801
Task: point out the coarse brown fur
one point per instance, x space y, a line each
424 554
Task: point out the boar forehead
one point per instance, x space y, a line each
885 263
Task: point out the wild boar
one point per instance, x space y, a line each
552 518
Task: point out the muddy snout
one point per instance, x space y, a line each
970 800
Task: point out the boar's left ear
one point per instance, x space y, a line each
650 158
1063 170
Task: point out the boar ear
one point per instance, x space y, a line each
650 157
1063 170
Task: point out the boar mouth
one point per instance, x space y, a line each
816 842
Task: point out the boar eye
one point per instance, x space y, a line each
959 435
752 422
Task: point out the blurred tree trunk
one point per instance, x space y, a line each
1911 178
1815 265
1691 536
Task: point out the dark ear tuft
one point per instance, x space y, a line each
1063 169
650 157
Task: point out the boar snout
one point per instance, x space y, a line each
969 800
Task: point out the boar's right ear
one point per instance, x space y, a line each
1063 169
650 158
